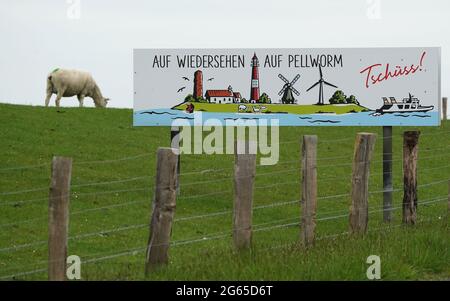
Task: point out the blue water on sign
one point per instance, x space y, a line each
165 117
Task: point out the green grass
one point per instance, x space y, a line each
32 135
276 108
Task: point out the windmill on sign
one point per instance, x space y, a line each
288 89
320 82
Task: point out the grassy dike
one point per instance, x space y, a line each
111 218
276 108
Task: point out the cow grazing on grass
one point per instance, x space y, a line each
68 83
242 108
256 109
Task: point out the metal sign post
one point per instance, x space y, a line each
387 173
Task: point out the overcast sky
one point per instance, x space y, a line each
99 35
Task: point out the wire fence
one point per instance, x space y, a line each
144 177
215 236
138 156
326 163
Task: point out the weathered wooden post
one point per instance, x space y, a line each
58 217
163 207
387 173
444 108
410 153
175 143
309 189
359 211
244 176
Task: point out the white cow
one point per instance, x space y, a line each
256 109
68 83
242 108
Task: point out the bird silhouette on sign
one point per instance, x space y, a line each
181 89
210 79
185 78
320 82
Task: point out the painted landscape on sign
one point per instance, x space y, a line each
297 87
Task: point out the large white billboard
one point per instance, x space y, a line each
299 87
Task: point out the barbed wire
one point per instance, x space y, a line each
418 186
77 212
422 134
126 180
125 228
221 192
203 171
133 157
135 251
24 191
271 185
385 227
121 181
24 274
81 236
77 194
118 181
129 227
100 233
184 184
76 163
24 167
222 179
228 169
426 134
217 235
275 204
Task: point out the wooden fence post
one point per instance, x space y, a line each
58 217
359 211
175 143
244 175
163 207
387 173
444 108
309 189
410 152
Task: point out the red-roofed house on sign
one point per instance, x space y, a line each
223 96
237 96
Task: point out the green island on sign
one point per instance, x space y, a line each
274 108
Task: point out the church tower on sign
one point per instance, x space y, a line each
254 88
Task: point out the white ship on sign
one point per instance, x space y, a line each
410 104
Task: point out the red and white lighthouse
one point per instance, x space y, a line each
254 88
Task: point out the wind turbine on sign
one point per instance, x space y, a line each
320 82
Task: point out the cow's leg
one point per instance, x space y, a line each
47 99
49 90
81 100
58 98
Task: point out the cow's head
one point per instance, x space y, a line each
102 102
